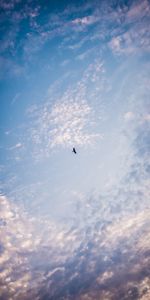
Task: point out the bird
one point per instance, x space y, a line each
74 150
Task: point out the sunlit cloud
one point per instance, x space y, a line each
85 20
40 258
75 227
65 124
71 120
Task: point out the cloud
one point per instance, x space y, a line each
10 68
88 20
129 116
8 5
70 120
142 141
17 146
129 33
64 124
15 98
132 36
127 43
146 117
85 54
102 251
138 9
45 260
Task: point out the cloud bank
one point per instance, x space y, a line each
106 259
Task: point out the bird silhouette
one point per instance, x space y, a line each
74 150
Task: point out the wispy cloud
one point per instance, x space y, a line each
132 41
17 146
138 9
132 36
88 20
129 33
10 68
15 98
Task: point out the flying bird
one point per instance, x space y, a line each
74 150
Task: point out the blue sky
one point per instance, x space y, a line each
74 74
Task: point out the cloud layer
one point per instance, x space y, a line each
63 125
122 28
75 75
67 119
43 260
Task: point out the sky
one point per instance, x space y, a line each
74 74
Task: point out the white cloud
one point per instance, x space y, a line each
16 146
65 124
115 43
70 120
123 43
129 116
146 117
88 20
